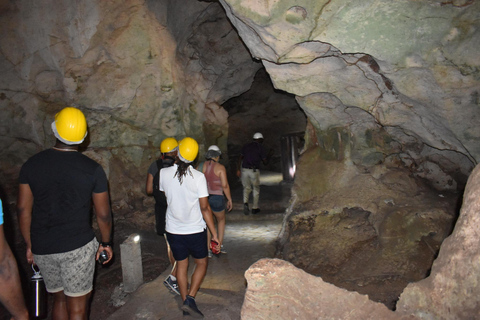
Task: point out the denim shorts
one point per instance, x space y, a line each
183 245
217 203
70 272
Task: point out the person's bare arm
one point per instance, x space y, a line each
208 217
104 220
222 174
24 214
149 184
11 295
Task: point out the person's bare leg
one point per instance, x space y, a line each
171 258
182 277
11 295
59 311
173 262
77 307
198 276
220 216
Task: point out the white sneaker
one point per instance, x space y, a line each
222 249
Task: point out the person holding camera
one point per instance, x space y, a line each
56 190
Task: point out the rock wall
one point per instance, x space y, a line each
391 95
271 294
140 71
371 231
278 290
401 79
451 289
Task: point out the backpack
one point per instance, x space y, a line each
157 194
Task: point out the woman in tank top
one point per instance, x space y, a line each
218 189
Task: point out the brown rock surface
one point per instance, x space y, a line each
278 290
452 289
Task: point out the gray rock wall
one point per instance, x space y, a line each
276 289
405 71
451 290
140 71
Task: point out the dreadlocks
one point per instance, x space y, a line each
182 170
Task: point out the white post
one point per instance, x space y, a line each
131 258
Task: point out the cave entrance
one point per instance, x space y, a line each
264 109
277 115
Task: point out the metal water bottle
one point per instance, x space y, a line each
38 295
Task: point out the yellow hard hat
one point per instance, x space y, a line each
168 145
70 126
187 149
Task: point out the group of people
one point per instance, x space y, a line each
186 201
58 186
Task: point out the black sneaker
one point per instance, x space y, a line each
190 306
171 285
255 211
246 210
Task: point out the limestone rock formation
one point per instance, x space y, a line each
371 231
140 70
404 72
278 290
390 91
451 290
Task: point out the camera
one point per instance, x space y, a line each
103 257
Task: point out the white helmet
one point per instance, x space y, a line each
214 148
258 135
213 152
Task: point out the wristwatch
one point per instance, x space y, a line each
106 244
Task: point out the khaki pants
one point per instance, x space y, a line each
251 181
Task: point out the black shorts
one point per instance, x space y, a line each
183 245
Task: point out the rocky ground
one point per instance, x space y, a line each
108 295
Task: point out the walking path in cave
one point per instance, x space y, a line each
247 239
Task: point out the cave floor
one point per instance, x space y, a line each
247 239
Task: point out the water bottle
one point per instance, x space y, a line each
38 295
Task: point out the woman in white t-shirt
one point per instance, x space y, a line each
188 215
